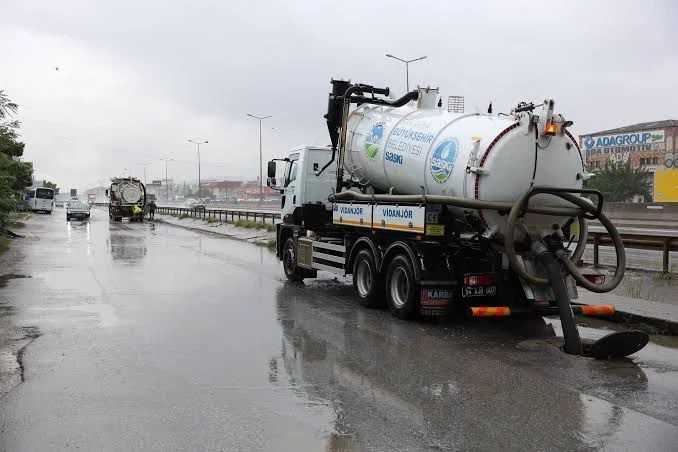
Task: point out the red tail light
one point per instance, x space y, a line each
598 280
479 280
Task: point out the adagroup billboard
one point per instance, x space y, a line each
647 140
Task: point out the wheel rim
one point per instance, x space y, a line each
289 260
399 287
363 278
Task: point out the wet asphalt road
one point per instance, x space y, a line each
158 338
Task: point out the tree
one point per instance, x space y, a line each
15 176
619 182
52 185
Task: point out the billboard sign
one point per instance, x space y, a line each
624 139
666 185
671 160
650 140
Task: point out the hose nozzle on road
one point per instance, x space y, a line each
614 345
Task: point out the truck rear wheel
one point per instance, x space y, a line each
368 283
402 296
289 259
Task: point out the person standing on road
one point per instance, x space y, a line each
151 209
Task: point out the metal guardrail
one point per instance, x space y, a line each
647 239
636 238
223 214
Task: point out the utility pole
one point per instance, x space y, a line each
144 165
167 159
407 67
199 143
261 163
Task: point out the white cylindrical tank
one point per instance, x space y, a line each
477 156
130 192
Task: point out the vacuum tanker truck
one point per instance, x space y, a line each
127 199
438 213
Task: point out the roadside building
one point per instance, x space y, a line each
649 144
250 191
220 189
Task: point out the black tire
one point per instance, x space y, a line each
49 212
368 283
402 294
289 259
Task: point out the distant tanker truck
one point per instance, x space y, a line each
127 199
435 212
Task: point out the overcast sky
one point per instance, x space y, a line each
138 78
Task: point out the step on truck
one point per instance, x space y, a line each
442 213
127 199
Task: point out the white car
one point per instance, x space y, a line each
195 205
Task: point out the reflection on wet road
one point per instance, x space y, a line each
154 337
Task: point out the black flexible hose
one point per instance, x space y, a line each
570 331
587 207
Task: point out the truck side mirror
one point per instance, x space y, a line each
270 182
106 192
271 168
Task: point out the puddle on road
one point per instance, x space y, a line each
4 279
612 427
104 313
655 367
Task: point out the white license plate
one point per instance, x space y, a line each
478 291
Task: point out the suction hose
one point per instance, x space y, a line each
571 267
581 240
573 344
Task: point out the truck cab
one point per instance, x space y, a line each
299 184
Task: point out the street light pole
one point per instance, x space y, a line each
167 159
198 143
144 165
261 163
407 67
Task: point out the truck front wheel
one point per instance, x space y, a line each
401 288
368 283
289 259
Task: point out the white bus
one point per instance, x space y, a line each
40 199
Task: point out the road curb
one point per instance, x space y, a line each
650 325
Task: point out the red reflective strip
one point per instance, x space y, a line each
479 312
490 311
598 310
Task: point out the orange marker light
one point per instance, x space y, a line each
550 128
